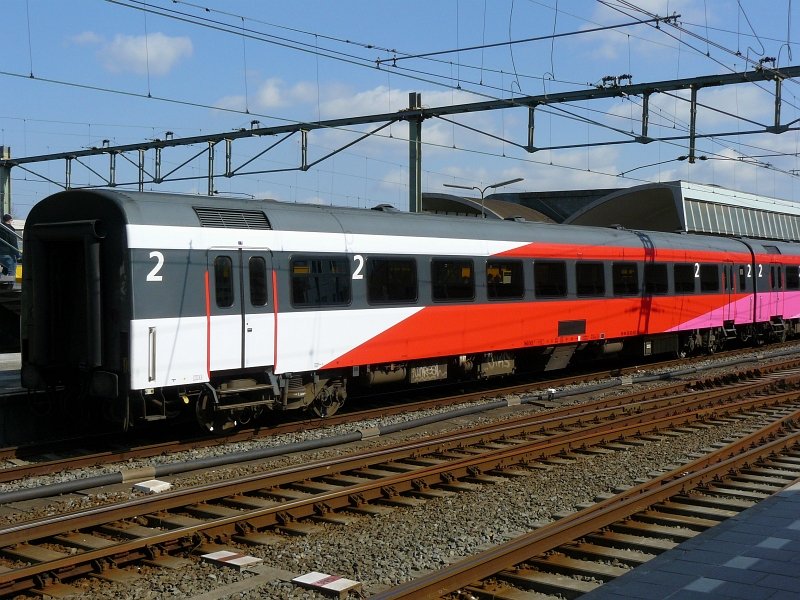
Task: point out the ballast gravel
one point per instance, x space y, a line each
382 551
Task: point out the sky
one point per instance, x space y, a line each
75 74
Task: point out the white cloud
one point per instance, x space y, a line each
233 102
156 53
644 41
86 38
271 94
750 101
335 100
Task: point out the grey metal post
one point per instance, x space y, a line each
645 114
141 169
415 155
5 180
531 127
112 169
692 122
157 178
211 168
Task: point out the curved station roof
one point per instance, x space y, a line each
695 208
668 206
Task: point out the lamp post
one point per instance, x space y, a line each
218 193
483 190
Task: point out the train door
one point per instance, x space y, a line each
258 315
241 330
776 291
224 310
728 288
745 305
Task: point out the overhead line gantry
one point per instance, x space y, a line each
415 114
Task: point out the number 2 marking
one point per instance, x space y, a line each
357 273
153 275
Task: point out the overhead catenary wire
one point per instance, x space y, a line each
483 153
674 24
578 118
141 5
457 82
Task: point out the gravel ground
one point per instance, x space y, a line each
383 551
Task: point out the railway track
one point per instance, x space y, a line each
256 509
67 454
578 553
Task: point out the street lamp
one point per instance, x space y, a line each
483 190
218 193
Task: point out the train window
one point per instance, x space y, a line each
625 277
257 271
590 279
223 281
320 280
504 279
452 279
391 280
792 278
709 278
655 279
550 279
684 278
775 277
727 279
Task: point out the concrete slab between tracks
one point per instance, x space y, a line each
263 575
753 555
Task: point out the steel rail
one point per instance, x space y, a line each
146 450
580 415
660 417
149 449
782 436
222 528
300 424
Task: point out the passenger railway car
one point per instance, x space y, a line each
155 303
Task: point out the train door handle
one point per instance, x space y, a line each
151 360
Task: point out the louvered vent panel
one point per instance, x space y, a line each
232 219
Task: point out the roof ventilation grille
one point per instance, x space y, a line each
232 218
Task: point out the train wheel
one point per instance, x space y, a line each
207 418
329 399
248 415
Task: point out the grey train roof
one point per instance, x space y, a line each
156 208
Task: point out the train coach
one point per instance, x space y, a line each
151 305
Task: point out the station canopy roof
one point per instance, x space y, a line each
695 208
491 208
